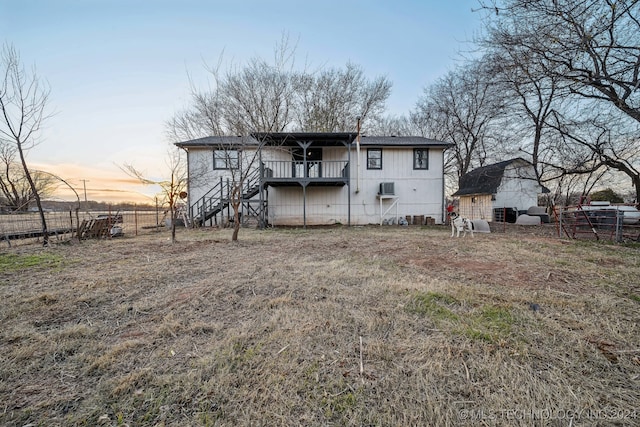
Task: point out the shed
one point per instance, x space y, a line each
499 191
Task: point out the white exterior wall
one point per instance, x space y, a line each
418 192
201 173
518 188
202 176
324 205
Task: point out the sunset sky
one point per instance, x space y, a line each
118 69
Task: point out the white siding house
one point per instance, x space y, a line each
498 191
298 179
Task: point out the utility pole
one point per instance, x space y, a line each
84 184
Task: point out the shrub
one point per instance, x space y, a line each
606 195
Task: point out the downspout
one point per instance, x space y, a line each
261 217
444 196
358 159
189 207
349 183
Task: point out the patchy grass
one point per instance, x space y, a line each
14 262
336 326
492 324
434 305
488 323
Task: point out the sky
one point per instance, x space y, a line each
119 69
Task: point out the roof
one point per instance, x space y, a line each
213 141
320 138
487 179
402 141
293 138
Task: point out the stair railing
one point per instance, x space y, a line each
205 203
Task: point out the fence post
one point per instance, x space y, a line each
135 218
109 224
619 223
157 216
560 219
504 219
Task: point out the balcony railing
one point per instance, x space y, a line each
321 170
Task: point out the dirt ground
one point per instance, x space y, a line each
331 326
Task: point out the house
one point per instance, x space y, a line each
299 179
499 191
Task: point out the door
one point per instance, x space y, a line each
314 163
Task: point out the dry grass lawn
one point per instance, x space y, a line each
339 326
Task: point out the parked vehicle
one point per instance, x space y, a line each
602 210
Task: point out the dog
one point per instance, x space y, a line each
459 224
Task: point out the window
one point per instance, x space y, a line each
225 159
374 158
420 158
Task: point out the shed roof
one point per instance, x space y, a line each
487 179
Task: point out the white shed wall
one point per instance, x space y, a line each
518 189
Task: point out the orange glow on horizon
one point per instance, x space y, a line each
101 184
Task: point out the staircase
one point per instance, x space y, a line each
218 199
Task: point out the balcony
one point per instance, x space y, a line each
322 172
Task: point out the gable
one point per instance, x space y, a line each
487 179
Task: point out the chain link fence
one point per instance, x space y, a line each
63 225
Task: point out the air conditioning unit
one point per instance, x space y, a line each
387 189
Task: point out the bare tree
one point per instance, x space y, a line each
23 101
173 187
532 97
260 97
394 125
242 163
15 191
463 108
332 100
611 144
592 45
590 48
256 97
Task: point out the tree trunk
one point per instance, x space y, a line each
236 222
77 223
173 224
45 232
